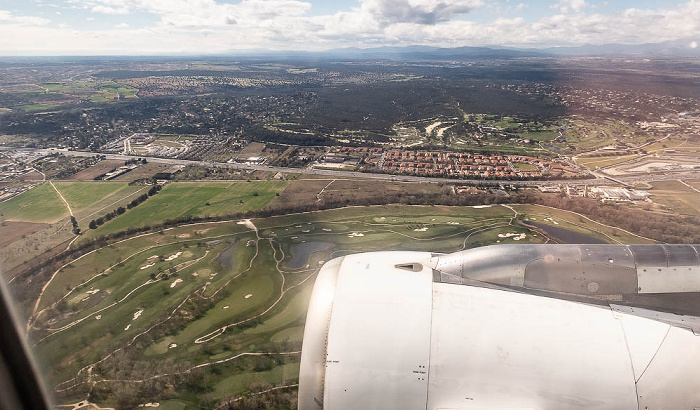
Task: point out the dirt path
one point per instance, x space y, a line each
107 206
689 186
70 211
318 196
249 224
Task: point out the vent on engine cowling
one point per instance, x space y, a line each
411 267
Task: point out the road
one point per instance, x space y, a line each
366 175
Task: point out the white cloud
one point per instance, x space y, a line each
205 13
565 6
210 26
100 9
417 11
121 25
7 17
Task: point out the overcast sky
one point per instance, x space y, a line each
137 27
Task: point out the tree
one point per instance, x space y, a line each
93 224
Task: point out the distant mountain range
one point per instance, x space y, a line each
677 48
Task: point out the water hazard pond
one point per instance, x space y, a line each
301 252
564 235
225 258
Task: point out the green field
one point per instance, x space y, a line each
179 199
231 303
39 204
37 107
42 203
84 195
604 161
676 197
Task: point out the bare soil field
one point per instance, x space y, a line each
95 170
300 192
254 149
677 197
12 231
363 189
313 189
144 171
31 176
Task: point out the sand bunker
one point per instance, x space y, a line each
98 317
432 126
147 266
175 282
515 236
355 234
173 256
137 314
552 221
248 295
423 229
92 292
327 230
172 345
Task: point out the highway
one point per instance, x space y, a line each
600 180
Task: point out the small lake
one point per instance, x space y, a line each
225 258
301 252
565 235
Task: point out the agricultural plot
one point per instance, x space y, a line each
145 171
604 161
40 204
12 231
84 195
49 96
43 204
677 197
37 219
96 170
179 199
217 308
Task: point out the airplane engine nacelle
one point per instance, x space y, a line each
415 330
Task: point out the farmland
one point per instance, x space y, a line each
40 204
216 309
43 205
677 196
180 199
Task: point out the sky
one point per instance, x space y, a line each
157 27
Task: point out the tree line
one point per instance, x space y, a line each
120 210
